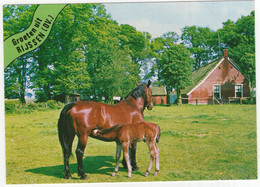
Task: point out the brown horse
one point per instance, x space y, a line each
126 134
80 118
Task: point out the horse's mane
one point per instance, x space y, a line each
111 129
137 92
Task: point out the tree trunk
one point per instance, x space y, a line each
22 82
178 97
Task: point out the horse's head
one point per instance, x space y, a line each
148 96
144 91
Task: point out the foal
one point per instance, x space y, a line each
125 135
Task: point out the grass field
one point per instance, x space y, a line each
197 143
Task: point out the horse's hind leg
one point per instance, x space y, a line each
80 152
118 155
66 156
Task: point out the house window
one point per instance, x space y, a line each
217 91
238 90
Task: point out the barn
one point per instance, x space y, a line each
159 95
218 82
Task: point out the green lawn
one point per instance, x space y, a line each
197 143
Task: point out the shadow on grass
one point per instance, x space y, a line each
92 165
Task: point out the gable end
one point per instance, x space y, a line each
206 76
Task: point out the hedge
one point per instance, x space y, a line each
16 107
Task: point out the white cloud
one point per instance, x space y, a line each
159 18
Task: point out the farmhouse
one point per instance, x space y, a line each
218 82
159 95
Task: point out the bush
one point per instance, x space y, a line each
52 104
15 106
11 105
249 101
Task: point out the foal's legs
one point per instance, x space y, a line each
126 154
80 152
157 165
118 155
132 155
153 151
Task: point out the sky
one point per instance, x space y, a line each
158 18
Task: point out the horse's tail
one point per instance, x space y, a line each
62 129
158 134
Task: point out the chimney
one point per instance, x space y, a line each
225 53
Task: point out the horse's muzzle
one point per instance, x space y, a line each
150 107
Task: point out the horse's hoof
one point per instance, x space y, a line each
146 174
156 173
129 175
84 177
135 168
113 174
67 176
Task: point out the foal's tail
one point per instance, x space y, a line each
158 134
62 129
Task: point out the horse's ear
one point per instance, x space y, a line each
149 83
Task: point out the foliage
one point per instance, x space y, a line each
89 53
10 105
16 19
239 38
16 107
175 63
86 52
201 42
52 104
196 143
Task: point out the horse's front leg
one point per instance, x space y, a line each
82 143
133 156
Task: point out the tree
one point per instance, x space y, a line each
16 19
59 65
86 52
200 41
175 67
239 38
155 48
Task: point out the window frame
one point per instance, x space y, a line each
241 87
219 92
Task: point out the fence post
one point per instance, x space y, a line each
180 102
196 101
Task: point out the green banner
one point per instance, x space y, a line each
31 38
